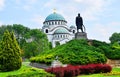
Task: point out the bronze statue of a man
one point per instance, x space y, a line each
79 23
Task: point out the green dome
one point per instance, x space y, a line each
54 16
61 31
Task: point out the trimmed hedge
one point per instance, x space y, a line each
95 68
72 71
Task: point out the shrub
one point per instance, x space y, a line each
69 71
95 68
86 69
111 51
10 53
106 68
72 71
75 52
58 71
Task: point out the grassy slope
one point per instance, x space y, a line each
21 70
74 52
115 71
25 68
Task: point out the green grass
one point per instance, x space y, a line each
25 70
21 70
114 73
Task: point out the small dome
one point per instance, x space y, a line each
54 16
72 26
61 31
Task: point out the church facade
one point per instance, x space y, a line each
57 30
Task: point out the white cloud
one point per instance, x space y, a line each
50 3
1 23
89 9
2 4
79 1
27 5
26 1
38 20
17 1
31 1
103 31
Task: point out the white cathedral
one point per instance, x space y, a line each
57 30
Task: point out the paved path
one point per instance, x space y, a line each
38 65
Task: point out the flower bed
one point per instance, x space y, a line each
71 71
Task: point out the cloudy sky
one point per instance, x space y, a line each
100 17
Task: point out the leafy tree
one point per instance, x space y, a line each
111 51
116 45
24 35
50 45
38 44
10 52
115 37
19 30
2 29
31 49
57 43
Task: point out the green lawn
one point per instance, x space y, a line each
25 70
21 70
114 73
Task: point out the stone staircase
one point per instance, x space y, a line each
114 63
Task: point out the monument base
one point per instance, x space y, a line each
81 35
56 63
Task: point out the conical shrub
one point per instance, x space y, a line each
10 58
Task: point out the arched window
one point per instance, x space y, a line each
55 22
73 31
49 23
63 23
52 23
46 31
58 22
61 36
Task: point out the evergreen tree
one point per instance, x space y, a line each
9 53
115 37
28 39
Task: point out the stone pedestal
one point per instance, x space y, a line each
81 35
56 63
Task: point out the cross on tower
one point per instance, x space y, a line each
54 10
